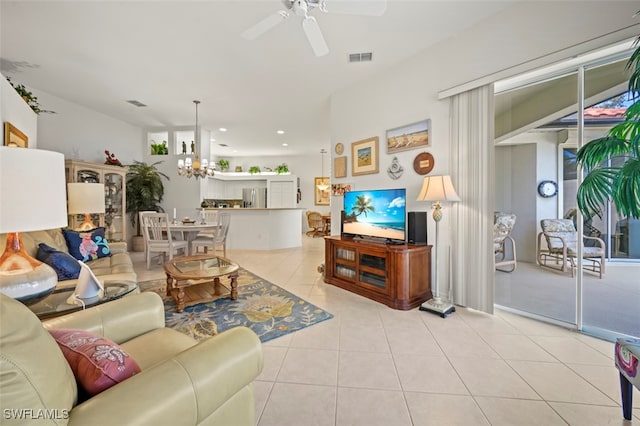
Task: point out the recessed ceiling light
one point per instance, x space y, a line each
235 150
280 132
285 144
213 139
222 129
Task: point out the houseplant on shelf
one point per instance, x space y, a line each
224 164
28 97
144 193
282 168
254 169
620 184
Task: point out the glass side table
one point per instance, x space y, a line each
56 303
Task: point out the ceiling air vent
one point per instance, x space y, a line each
360 57
222 144
136 103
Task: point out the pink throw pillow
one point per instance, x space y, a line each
97 362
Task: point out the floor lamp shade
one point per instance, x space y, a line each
32 198
437 189
85 198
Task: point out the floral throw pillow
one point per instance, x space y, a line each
87 245
97 362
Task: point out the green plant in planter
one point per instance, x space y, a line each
159 148
28 97
144 190
282 168
618 184
224 164
254 169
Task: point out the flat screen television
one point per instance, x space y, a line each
379 213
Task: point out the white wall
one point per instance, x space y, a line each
15 110
84 134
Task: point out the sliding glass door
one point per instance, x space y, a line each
538 133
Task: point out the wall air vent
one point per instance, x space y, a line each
360 57
136 103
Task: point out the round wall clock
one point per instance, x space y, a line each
548 189
339 148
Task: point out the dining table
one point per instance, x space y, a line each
190 231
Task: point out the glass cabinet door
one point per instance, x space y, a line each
114 206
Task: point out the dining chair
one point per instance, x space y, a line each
314 220
158 238
215 238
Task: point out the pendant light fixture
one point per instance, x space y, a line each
196 168
322 186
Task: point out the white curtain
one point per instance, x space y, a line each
472 167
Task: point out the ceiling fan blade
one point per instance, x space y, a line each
265 25
314 35
354 7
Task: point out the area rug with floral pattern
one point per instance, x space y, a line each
270 311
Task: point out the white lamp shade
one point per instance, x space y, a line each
438 188
85 198
32 190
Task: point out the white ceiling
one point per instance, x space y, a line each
166 54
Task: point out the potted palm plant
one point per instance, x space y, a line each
144 193
604 182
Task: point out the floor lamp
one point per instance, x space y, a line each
437 189
32 198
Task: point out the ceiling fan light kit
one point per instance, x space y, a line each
310 26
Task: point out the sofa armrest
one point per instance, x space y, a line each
184 390
118 247
119 320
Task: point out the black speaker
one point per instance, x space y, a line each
417 228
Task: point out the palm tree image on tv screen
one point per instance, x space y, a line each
376 213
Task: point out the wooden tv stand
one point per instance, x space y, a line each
397 275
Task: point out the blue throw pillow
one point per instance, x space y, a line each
65 265
89 245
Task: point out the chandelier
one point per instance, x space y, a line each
196 168
322 186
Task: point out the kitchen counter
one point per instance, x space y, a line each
263 228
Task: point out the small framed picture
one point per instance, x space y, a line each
14 137
340 167
411 136
364 157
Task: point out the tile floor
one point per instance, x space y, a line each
372 365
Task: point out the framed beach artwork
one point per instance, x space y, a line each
364 157
411 136
14 137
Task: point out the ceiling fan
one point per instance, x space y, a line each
310 26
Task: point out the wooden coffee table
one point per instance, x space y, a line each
196 279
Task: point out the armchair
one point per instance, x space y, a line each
502 227
182 381
562 246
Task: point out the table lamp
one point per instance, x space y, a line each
437 189
32 198
85 198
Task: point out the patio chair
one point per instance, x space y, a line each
562 247
502 226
